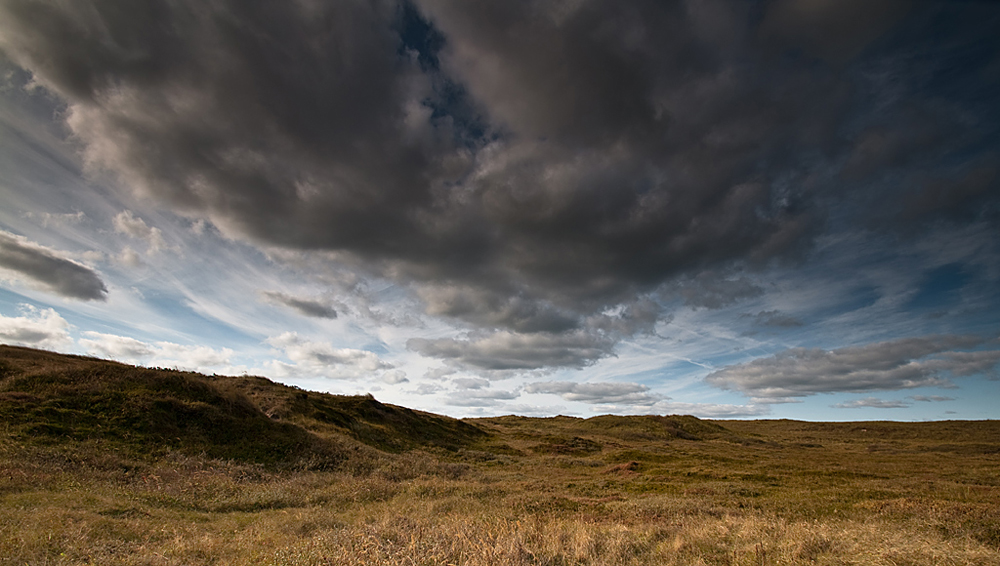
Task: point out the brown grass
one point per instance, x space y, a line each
560 491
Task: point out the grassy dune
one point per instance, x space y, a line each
102 463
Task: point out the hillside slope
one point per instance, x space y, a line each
49 398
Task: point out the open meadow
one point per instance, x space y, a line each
103 463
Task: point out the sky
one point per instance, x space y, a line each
729 209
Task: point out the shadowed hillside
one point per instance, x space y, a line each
49 398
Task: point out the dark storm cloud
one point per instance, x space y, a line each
883 366
971 195
530 166
836 30
305 307
39 264
312 126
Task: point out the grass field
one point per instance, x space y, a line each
102 463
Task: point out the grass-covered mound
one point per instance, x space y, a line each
362 417
48 398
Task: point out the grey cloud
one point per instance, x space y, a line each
471 382
480 398
305 307
871 403
597 393
634 317
504 353
486 307
427 389
880 148
836 30
882 366
930 398
512 351
394 377
40 264
773 318
973 195
968 363
713 291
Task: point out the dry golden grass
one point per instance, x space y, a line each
560 491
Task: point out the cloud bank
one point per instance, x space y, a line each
565 169
884 366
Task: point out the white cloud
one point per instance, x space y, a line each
126 223
322 359
129 257
170 354
116 347
159 354
37 327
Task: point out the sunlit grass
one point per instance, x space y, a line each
562 491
